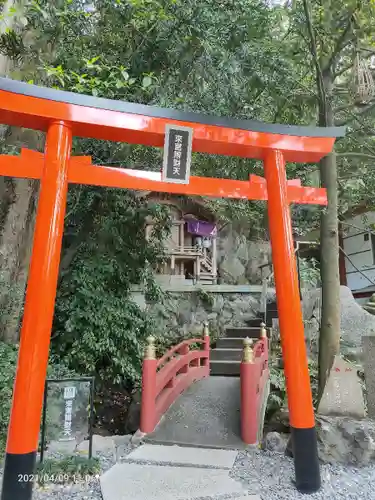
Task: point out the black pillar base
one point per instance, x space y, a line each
18 476
306 461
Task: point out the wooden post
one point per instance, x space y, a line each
148 400
214 259
198 268
182 237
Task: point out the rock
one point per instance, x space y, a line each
347 441
122 440
100 444
343 392
355 321
369 369
370 306
242 250
134 413
123 445
273 441
370 309
232 268
137 438
279 421
343 440
218 303
182 314
62 447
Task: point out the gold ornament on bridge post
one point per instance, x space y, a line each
248 353
263 331
150 349
206 332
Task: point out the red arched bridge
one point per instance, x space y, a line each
179 386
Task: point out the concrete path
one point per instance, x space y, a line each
192 474
177 455
207 415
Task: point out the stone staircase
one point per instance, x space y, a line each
225 357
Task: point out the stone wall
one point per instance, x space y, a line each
355 322
183 313
239 257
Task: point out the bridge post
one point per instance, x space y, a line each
148 400
301 409
24 425
206 346
248 381
263 335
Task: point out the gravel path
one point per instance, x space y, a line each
270 475
89 490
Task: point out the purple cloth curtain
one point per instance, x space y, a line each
201 228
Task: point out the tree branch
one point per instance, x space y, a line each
314 53
349 66
357 154
355 116
342 42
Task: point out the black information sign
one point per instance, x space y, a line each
177 154
68 414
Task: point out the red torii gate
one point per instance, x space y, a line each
63 115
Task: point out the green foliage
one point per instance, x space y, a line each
9 292
278 395
98 329
68 469
205 297
8 361
309 273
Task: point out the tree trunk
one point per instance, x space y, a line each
18 198
329 339
17 213
17 210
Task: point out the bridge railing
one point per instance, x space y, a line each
164 379
254 376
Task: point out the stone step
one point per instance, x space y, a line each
130 481
254 323
272 314
225 368
243 332
226 354
184 455
229 343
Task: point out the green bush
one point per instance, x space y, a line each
278 395
8 362
99 330
68 469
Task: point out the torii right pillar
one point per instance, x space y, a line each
301 411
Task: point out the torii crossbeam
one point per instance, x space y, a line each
63 115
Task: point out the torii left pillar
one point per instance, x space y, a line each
38 315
